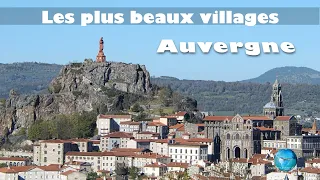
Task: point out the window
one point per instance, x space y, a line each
45 152
45 159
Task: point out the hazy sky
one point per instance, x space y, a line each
138 44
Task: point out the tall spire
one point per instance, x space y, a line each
286 178
275 106
101 57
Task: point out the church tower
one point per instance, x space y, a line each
275 108
101 57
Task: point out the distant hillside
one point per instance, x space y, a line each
244 97
26 77
289 74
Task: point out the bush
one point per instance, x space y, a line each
22 131
64 127
136 108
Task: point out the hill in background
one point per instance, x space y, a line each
26 77
246 98
289 74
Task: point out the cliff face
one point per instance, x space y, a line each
78 87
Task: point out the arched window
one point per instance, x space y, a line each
237 136
228 136
247 136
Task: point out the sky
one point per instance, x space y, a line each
138 44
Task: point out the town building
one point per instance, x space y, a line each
115 140
51 152
110 123
187 152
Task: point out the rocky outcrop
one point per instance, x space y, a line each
79 87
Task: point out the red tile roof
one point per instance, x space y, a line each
12 159
67 172
115 116
154 123
311 170
55 141
177 126
283 118
127 149
181 113
119 135
178 164
217 118
315 160
200 140
262 118
156 165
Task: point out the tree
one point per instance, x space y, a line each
2 165
92 176
165 94
64 127
136 108
133 172
140 117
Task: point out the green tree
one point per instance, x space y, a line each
3 165
64 127
140 117
133 172
165 94
92 176
136 108
35 131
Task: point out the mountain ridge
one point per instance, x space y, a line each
288 74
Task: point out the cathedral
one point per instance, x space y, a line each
242 136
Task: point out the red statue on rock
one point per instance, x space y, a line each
101 57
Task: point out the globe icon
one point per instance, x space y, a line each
285 160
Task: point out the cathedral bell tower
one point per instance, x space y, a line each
101 57
274 108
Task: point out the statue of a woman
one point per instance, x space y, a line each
101 44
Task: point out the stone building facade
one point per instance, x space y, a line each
242 136
237 138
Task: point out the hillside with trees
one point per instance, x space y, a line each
245 98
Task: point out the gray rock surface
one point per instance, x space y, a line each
79 87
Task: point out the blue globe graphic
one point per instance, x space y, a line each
285 160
